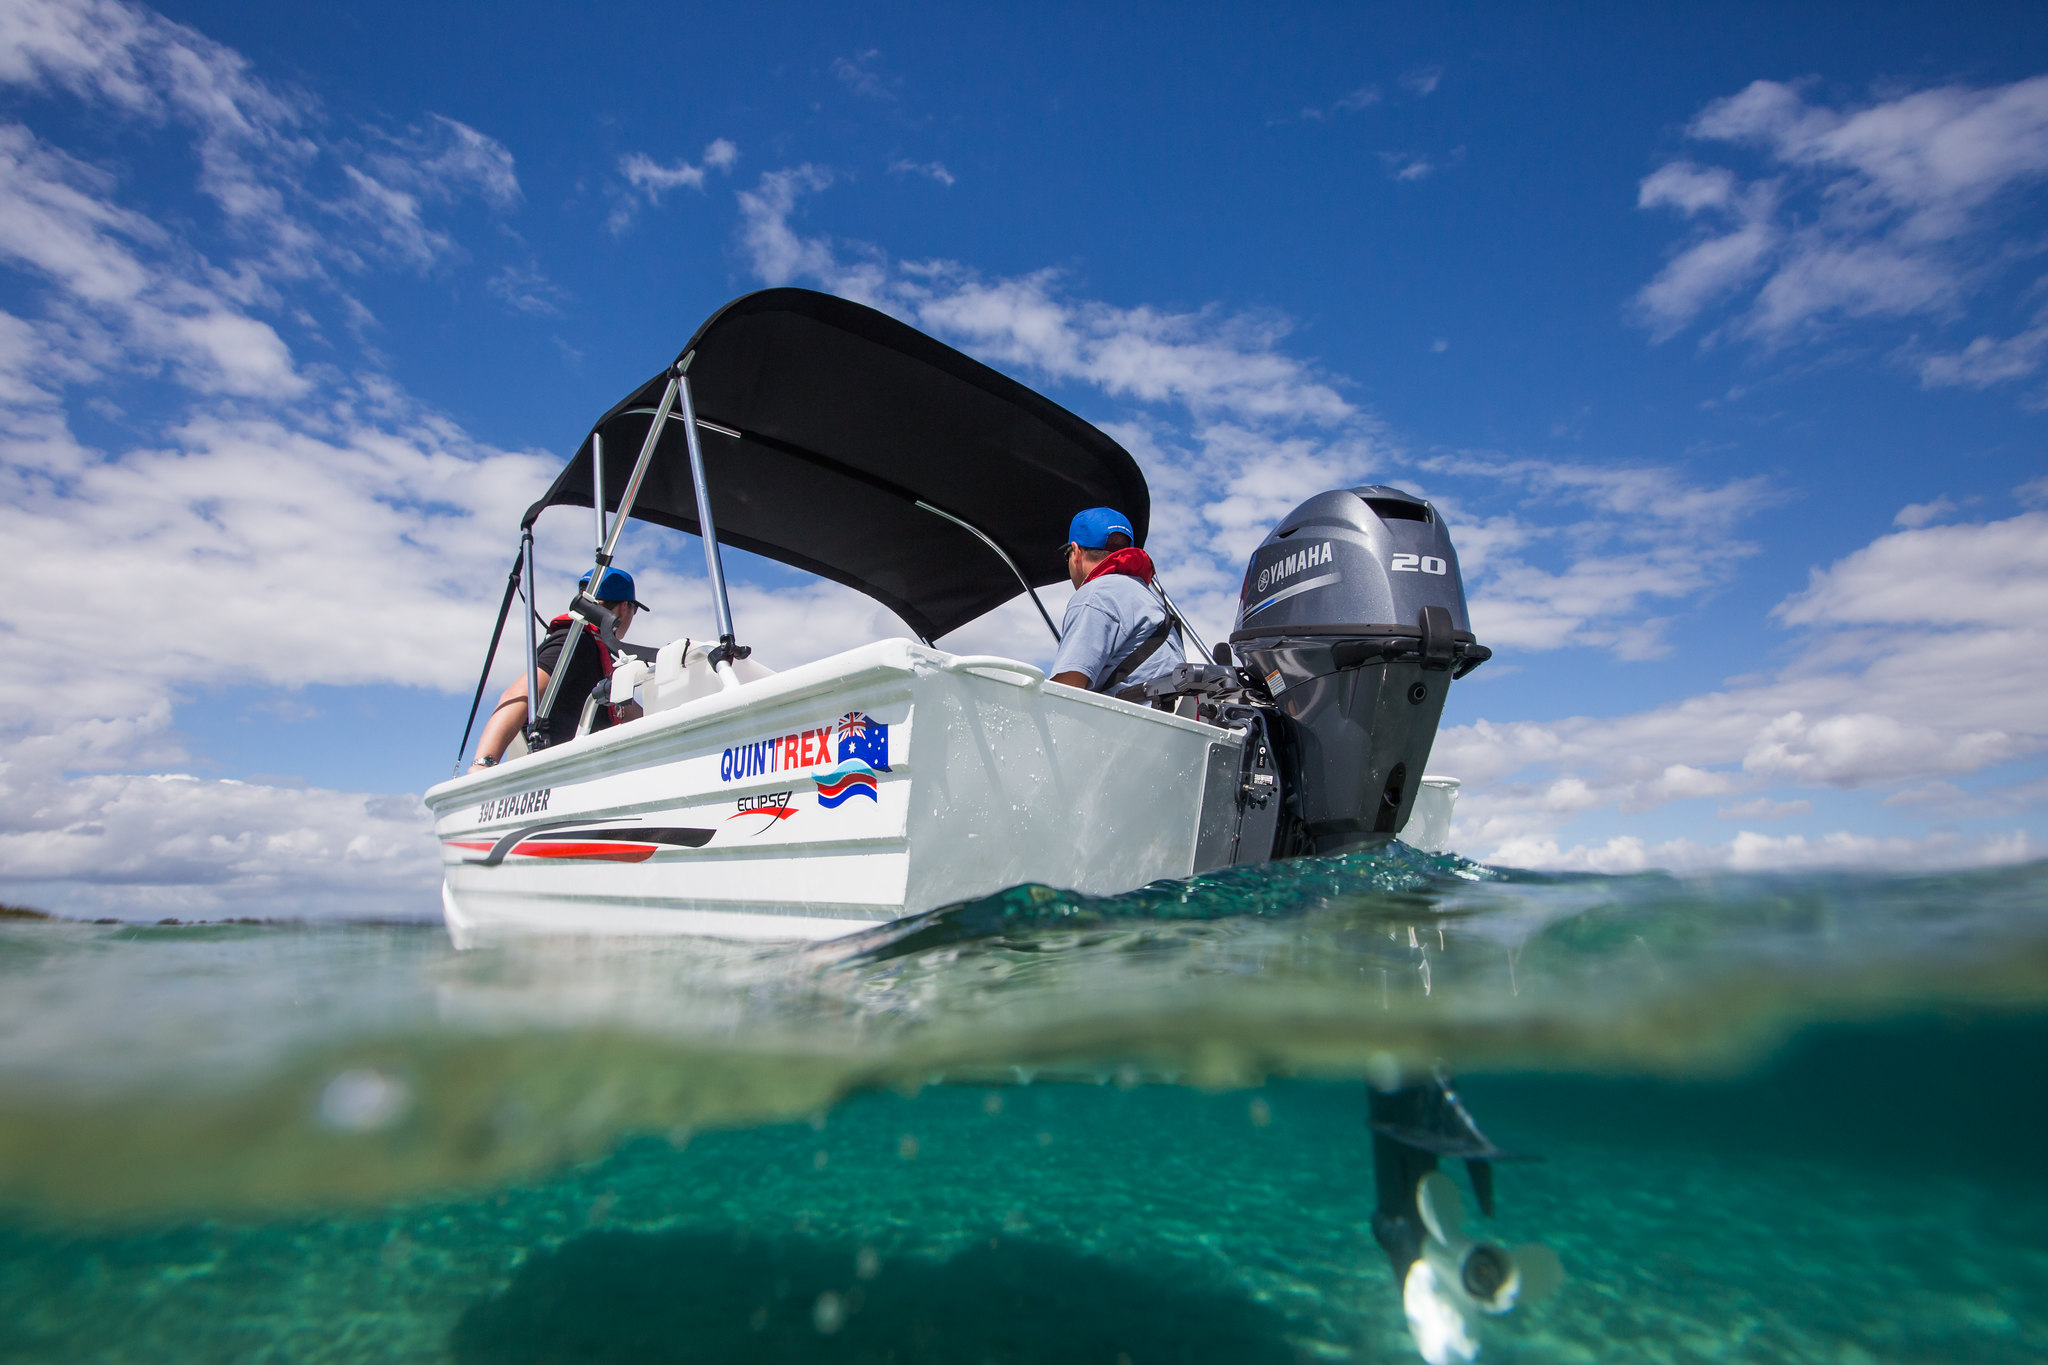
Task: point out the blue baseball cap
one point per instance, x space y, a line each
1092 529
616 587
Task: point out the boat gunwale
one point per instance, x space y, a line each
896 656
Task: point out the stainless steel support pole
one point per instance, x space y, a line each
611 540
1180 623
532 645
639 476
983 537
706 528
597 484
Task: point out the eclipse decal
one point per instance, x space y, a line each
773 806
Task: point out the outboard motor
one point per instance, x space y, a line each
1353 614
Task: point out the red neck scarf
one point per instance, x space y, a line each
1131 561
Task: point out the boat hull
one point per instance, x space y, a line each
881 782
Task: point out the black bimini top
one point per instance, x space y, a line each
839 440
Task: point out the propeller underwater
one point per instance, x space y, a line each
1458 1277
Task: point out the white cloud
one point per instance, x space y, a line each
1364 97
1764 808
931 170
1751 852
644 173
1951 801
56 220
1717 263
1215 365
862 74
1879 210
144 66
396 217
1936 156
1412 166
244 548
154 846
450 159
1422 81
1914 515
1993 575
526 289
1687 188
436 164
780 255
1407 165
1986 361
266 159
358 504
650 180
1651 534
1916 662
1857 280
1859 748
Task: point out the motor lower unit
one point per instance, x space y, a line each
1352 620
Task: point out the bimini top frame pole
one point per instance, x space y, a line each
532 644
597 484
585 609
729 647
1002 554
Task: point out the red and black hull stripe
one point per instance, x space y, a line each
574 841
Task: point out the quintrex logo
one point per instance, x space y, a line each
859 742
1284 569
778 755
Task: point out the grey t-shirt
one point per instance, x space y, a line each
1106 620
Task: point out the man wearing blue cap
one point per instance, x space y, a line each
1117 633
588 666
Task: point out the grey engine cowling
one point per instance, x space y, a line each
1354 615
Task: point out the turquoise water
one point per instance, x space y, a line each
1779 1119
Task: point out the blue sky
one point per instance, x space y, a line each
1720 335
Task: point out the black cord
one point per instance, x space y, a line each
490 655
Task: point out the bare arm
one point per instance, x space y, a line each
1072 679
505 720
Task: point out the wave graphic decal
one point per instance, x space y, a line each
842 782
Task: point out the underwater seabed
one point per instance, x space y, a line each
1779 1119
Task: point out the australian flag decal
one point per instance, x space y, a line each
863 752
864 739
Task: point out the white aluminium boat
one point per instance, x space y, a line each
897 777
733 813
